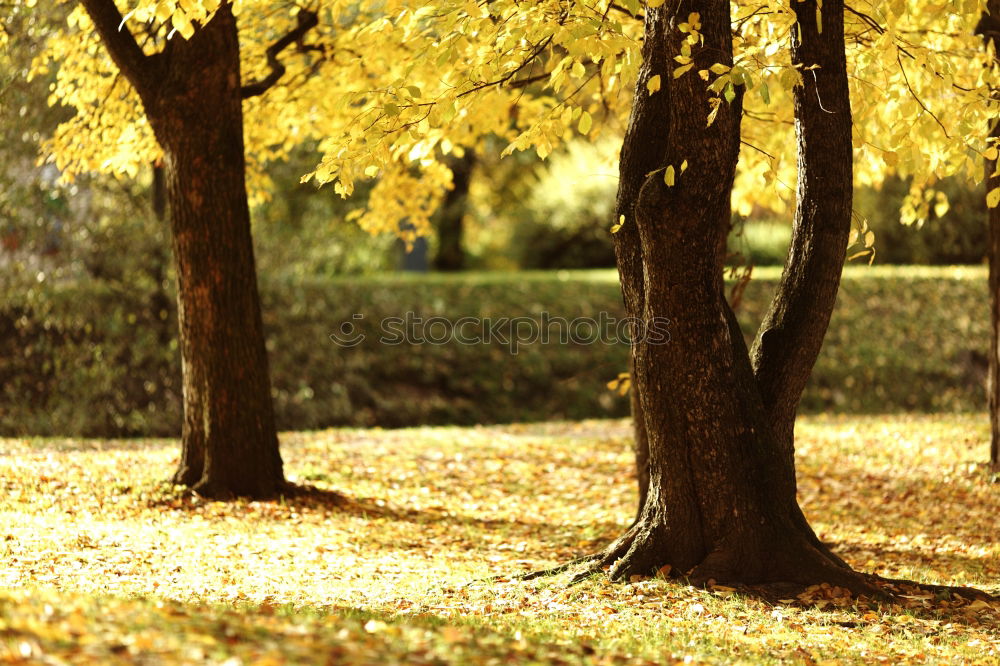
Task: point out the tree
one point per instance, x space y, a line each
989 28
192 96
536 75
721 500
451 216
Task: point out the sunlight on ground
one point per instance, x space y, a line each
427 514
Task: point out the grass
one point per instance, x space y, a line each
101 563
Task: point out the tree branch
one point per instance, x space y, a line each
121 44
522 83
306 21
535 52
791 336
915 97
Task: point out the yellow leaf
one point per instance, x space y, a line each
163 12
668 176
653 84
653 4
712 114
680 70
182 24
585 123
993 197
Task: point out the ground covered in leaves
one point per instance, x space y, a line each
410 553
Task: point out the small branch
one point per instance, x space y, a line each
742 21
872 23
537 51
306 21
618 8
819 100
121 45
759 150
521 83
918 100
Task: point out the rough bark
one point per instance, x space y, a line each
791 335
993 254
451 217
792 332
719 504
634 165
989 28
192 98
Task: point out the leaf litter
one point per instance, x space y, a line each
410 548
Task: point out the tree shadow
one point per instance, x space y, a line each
938 603
933 559
309 498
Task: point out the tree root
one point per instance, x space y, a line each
801 564
558 569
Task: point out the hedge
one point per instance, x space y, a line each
86 359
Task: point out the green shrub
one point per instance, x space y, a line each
82 359
761 243
565 218
956 237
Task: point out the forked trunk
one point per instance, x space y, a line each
721 500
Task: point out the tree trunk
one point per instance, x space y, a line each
192 98
994 282
640 445
791 335
989 28
450 219
719 504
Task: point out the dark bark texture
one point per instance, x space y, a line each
451 217
989 28
791 335
192 98
993 255
721 498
